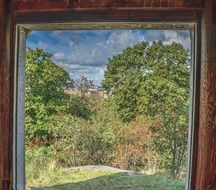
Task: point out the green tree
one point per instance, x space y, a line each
165 94
45 83
153 80
123 78
80 103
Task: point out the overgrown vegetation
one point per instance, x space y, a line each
103 180
141 125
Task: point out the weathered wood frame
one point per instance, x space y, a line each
202 12
190 25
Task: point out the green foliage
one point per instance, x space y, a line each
37 160
80 106
123 78
103 140
79 142
142 125
104 180
45 82
153 80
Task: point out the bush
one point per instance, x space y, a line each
37 159
103 140
80 106
80 142
135 149
66 131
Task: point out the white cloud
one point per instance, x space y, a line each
59 56
174 36
169 36
86 52
120 40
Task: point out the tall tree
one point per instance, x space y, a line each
45 83
123 78
153 80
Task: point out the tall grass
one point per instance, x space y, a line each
43 171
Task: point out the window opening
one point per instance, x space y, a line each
105 108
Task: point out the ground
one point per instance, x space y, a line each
107 178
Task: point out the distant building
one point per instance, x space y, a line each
94 92
73 91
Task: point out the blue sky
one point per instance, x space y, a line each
85 52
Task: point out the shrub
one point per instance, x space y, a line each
103 140
80 106
135 148
37 159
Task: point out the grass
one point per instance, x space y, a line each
44 173
59 179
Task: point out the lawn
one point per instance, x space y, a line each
103 180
